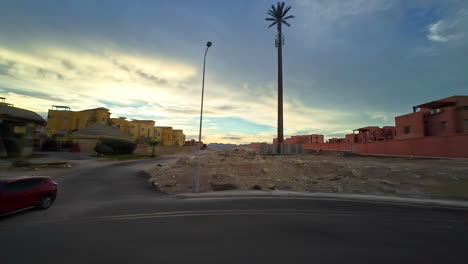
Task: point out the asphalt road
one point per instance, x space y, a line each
108 214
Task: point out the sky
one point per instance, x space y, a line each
346 64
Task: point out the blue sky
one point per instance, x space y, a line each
347 64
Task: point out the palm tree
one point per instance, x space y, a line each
278 16
152 144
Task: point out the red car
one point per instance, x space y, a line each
21 193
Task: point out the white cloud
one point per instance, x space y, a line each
151 88
446 30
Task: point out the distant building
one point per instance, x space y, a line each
17 128
313 138
165 135
178 137
442 117
191 142
122 124
371 133
61 121
141 130
434 129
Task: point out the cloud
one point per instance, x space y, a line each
449 29
231 138
149 88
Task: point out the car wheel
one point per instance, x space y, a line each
45 202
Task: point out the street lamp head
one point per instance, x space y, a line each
209 43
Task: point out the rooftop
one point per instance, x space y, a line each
141 121
10 112
449 101
101 130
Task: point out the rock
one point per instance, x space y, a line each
279 180
222 182
336 178
256 187
270 186
159 165
356 173
337 188
389 183
265 170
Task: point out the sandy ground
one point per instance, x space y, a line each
320 172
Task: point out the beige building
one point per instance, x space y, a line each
178 137
165 136
61 121
141 130
122 124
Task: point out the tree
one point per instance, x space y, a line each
278 16
153 144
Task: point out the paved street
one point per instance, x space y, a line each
108 214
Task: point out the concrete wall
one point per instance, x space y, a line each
441 146
144 149
87 145
454 146
341 146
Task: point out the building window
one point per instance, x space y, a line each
408 130
444 125
103 119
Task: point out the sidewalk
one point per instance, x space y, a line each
327 196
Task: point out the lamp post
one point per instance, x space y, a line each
197 176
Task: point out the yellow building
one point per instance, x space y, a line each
61 121
178 137
164 135
141 130
122 124
158 134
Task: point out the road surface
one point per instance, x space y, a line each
108 214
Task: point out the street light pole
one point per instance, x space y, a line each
197 176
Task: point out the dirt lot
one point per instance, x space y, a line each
319 172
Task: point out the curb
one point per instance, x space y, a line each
326 196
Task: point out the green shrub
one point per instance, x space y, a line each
103 149
115 146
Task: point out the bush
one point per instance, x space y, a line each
115 146
103 149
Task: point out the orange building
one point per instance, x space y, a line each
442 117
435 129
